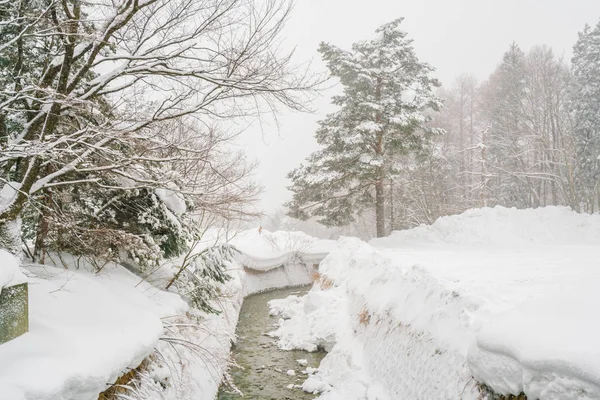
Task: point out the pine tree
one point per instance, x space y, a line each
586 111
381 116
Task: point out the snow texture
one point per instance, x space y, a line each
200 379
502 295
85 331
8 193
9 270
173 200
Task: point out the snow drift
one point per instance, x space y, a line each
500 295
85 331
500 226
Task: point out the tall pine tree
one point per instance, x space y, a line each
586 112
381 116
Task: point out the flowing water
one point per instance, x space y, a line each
264 374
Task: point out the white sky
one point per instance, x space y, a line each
455 36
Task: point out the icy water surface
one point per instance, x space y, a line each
264 376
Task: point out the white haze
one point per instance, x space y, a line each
459 36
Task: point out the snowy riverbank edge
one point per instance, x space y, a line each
88 329
498 296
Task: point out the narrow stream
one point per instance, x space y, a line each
264 374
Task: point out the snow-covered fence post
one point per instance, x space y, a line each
14 312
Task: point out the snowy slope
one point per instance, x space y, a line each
85 331
506 296
500 226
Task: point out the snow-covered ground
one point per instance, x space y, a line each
500 296
88 329
85 331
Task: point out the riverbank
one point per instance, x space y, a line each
89 327
262 370
500 297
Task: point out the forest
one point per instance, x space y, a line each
412 151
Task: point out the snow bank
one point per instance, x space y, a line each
195 370
263 251
279 259
505 296
307 322
290 263
500 226
85 331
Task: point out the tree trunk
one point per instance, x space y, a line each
379 192
392 216
380 207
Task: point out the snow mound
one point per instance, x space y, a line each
269 245
86 330
307 323
503 226
9 270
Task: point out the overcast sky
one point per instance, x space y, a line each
455 36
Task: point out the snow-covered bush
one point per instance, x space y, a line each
200 276
132 226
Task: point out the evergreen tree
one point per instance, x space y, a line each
381 116
586 111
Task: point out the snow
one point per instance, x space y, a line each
9 270
192 376
173 200
8 193
500 296
502 226
271 245
504 296
307 322
85 331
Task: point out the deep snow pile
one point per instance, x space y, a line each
500 226
195 361
85 331
264 250
512 305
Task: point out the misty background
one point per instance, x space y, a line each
462 36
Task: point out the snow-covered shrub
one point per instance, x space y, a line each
133 226
200 275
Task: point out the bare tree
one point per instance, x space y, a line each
91 85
